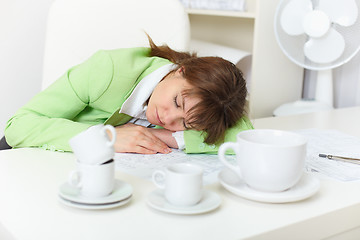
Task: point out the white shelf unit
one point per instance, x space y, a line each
275 79
234 14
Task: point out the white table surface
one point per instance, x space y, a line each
29 208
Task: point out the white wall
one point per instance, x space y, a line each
22 32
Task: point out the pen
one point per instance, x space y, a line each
337 157
344 159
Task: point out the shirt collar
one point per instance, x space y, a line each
135 105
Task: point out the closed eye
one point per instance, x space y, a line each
178 106
175 102
185 127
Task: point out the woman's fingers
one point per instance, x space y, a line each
142 137
141 150
155 145
138 139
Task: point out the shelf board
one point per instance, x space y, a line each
222 13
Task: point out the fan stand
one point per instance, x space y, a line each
323 98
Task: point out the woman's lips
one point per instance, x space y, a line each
158 118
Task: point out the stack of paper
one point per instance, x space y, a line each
229 5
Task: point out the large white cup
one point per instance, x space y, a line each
93 145
93 181
182 183
267 160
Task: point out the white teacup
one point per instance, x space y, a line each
93 145
182 183
93 181
267 160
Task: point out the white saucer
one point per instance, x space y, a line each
209 202
121 191
306 187
94 206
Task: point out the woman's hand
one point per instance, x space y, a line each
137 139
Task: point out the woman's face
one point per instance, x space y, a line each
167 107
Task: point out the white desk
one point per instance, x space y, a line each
29 209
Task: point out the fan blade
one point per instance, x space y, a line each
316 24
342 12
292 16
325 49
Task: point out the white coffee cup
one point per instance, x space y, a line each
182 183
93 145
93 181
267 160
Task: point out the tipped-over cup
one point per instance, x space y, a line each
93 146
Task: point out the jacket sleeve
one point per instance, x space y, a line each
194 140
46 120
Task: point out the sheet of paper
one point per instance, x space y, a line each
332 142
319 141
144 165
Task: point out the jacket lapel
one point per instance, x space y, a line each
117 118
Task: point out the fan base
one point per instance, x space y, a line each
300 107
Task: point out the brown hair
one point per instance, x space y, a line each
217 82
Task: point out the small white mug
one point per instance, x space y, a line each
93 181
93 145
182 183
267 160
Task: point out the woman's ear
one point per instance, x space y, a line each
181 70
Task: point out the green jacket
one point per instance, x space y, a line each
88 94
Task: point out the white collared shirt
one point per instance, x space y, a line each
136 106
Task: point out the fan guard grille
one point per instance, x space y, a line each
292 46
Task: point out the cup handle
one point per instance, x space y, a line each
222 155
156 175
113 134
75 179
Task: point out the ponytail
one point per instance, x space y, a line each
165 52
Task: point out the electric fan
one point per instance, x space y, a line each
317 35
